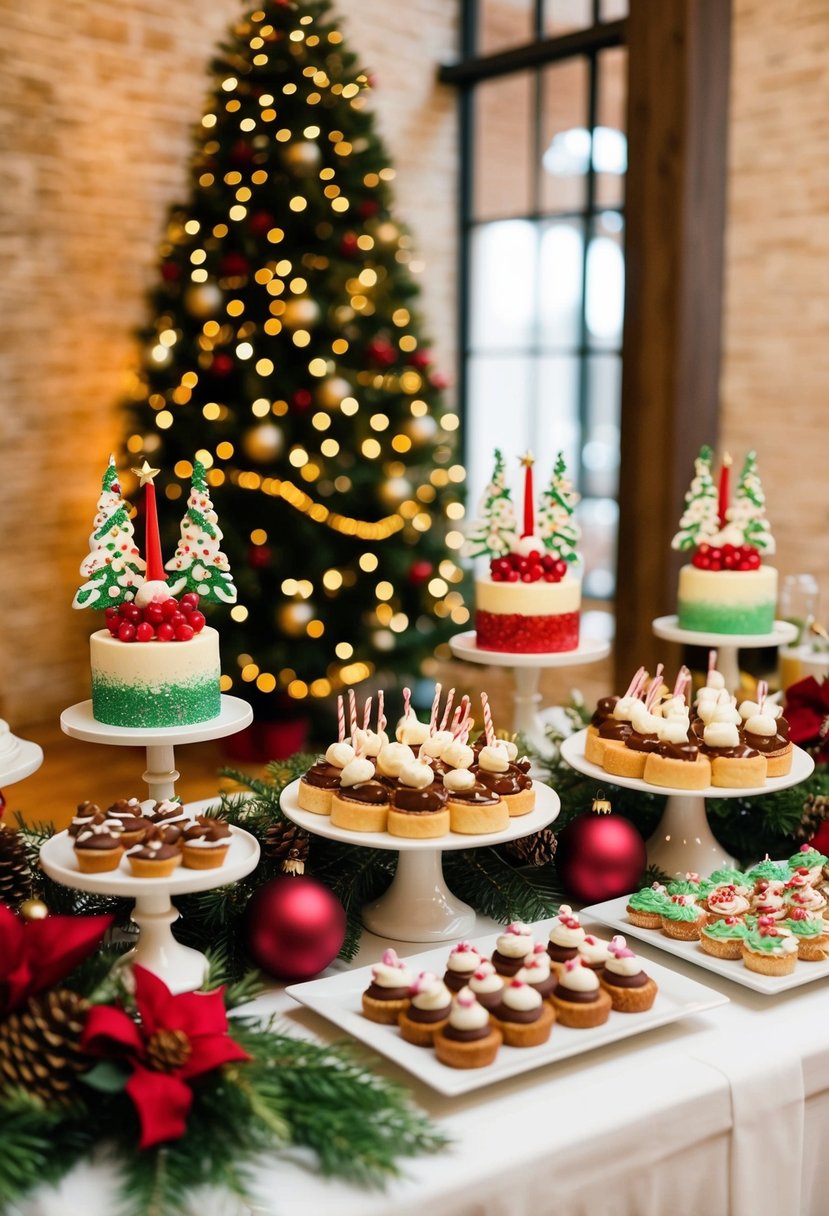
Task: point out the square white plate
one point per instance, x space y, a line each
338 999
612 913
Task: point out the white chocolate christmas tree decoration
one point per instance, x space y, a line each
113 568
198 563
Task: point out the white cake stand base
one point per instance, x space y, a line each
418 906
727 645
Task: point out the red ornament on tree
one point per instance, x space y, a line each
381 352
170 272
439 381
420 359
241 153
600 856
302 399
260 223
295 927
349 247
222 365
234 266
259 556
368 208
420 572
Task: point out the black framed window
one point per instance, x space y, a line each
543 160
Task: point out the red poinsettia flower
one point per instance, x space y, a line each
807 712
177 1038
36 954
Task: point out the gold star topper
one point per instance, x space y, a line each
528 460
145 473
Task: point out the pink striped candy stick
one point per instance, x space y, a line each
655 688
635 685
433 717
352 712
381 717
762 693
447 711
488 730
712 664
366 713
407 701
340 719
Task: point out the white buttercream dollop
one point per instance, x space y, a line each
466 1013
577 977
486 979
643 721
357 771
154 591
411 730
721 734
715 679
761 724
726 710
391 972
567 933
429 992
624 708
521 996
536 969
748 709
436 744
516 942
458 779
339 754
369 742
464 958
392 757
674 730
623 962
493 758
416 775
457 754
594 949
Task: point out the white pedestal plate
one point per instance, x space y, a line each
418 906
181 968
727 645
25 759
683 840
527 670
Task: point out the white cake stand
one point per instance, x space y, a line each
683 840
727 644
160 741
25 760
418 906
181 968
527 670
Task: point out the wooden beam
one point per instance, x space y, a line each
678 72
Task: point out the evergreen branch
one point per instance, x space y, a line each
496 889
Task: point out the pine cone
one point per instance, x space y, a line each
40 1046
168 1050
815 812
15 871
535 850
287 843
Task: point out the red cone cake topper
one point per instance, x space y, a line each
152 546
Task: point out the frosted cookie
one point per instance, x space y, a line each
469 1039
387 996
579 1000
428 1011
524 1018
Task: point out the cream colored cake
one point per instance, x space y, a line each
155 683
532 617
727 601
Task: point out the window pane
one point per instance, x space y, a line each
503 152
503 285
499 415
503 23
564 16
610 144
556 422
605 289
560 288
565 140
613 10
600 453
599 520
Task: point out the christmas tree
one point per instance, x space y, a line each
700 519
199 564
495 527
556 524
748 512
285 349
113 568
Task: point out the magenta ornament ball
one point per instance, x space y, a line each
600 857
295 927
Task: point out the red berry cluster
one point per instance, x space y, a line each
514 568
729 557
165 621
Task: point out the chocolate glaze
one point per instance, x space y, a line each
427 1016
576 998
163 854
477 793
604 710
466 1036
560 954
679 751
101 842
524 1017
765 744
740 752
614 728
208 828
365 791
624 981
489 1000
323 776
123 807
419 802
455 980
697 729
642 743
504 965
378 993
503 784
87 811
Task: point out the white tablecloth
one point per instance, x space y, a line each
723 1114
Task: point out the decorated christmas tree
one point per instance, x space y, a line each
285 349
113 568
556 523
700 520
748 511
198 563
495 527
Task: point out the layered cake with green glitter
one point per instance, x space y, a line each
727 601
155 683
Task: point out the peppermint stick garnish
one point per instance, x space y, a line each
655 688
447 711
488 731
407 701
340 719
434 714
352 712
381 716
762 693
712 664
456 718
367 713
636 683
683 677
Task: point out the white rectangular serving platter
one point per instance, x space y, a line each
612 913
338 998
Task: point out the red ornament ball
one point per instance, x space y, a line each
260 223
234 266
170 272
600 857
421 359
349 246
259 557
820 840
381 352
295 927
420 572
302 399
368 208
222 365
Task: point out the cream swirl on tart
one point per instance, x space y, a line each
468 1040
463 960
487 984
317 786
726 900
511 948
388 993
523 1016
474 809
578 999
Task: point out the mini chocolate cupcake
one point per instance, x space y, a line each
463 960
627 985
428 1011
154 857
469 1039
85 813
167 811
538 973
487 985
566 935
99 847
524 1018
387 996
205 843
512 947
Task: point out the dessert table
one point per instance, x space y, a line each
723 1114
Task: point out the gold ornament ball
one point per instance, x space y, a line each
383 639
395 490
303 157
33 909
264 443
292 617
300 313
421 430
331 392
203 300
387 233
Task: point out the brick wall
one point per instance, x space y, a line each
97 102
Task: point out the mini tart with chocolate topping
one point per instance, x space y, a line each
733 765
469 1039
387 996
487 985
538 972
644 908
723 938
474 809
566 935
524 1018
390 760
811 934
428 1012
84 814
463 960
593 745
509 781
678 762
622 978
99 847
317 786
418 804
511 948
769 736
361 804
167 811
579 1000
205 843
683 918
155 857
769 949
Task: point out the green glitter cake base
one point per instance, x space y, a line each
704 617
134 706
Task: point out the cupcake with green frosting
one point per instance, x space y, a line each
645 907
726 876
811 858
769 949
683 918
811 934
691 884
768 871
723 938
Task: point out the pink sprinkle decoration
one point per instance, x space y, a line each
691 876
712 663
572 964
570 922
340 719
464 948
804 848
539 948
617 940
482 973
516 929
590 940
425 980
466 999
390 958
518 984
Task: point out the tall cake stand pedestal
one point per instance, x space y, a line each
683 840
727 645
160 741
526 669
418 906
181 968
